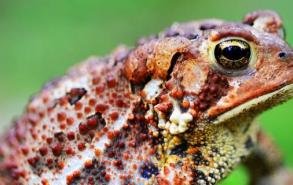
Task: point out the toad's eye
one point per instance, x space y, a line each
233 54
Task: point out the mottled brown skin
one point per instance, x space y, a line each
164 112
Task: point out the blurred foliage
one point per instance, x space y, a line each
40 39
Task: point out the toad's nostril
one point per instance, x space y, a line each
286 56
282 54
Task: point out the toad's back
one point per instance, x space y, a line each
89 127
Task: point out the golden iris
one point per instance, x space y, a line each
233 54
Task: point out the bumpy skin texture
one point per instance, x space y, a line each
162 113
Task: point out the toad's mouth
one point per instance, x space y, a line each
257 105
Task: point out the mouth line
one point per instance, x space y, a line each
282 94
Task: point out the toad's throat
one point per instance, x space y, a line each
258 104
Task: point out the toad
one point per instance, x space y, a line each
178 108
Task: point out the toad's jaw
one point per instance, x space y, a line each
267 100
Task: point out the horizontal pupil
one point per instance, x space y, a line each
233 52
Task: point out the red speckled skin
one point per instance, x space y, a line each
151 114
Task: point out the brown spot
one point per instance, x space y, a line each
71 135
114 116
94 121
120 103
56 149
33 161
101 108
49 162
83 129
112 135
75 95
111 81
118 164
164 107
25 150
74 176
60 165
63 101
92 102
177 93
43 151
87 110
69 150
100 90
45 182
96 80
61 116
78 106
88 164
81 146
70 121
185 104
97 152
107 177
79 115
49 140
59 136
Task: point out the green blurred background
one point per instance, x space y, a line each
40 39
